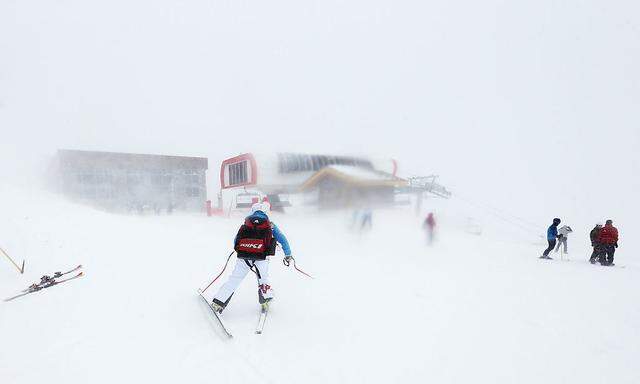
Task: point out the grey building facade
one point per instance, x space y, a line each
132 182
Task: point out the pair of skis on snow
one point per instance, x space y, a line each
48 282
264 310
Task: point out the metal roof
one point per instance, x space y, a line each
355 176
95 159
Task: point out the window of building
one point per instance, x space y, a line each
134 178
86 178
238 173
104 193
192 192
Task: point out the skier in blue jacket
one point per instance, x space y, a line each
255 241
277 234
552 235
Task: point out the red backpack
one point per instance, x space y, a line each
255 239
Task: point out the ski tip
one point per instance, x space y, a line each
81 274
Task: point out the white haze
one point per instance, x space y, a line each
524 108
531 107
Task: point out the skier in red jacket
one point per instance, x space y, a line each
429 224
607 242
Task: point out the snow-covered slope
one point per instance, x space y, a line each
383 307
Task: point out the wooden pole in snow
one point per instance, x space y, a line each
21 270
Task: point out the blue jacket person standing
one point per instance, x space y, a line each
552 235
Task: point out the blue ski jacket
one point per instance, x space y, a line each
552 232
277 234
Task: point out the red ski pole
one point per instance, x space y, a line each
296 267
221 272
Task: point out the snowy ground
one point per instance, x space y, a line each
383 307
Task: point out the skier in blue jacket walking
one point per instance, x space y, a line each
255 240
552 235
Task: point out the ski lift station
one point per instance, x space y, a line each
159 183
326 181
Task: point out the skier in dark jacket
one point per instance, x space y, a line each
607 243
595 232
552 235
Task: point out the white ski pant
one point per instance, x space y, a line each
239 272
561 242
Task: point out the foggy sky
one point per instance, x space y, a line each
531 106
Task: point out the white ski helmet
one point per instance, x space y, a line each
259 207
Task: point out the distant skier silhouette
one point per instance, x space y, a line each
430 225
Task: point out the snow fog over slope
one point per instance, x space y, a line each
526 110
383 306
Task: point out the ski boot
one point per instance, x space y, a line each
265 295
607 263
217 306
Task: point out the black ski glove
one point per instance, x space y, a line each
616 244
287 260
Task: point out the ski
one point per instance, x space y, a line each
44 280
264 310
216 315
49 284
